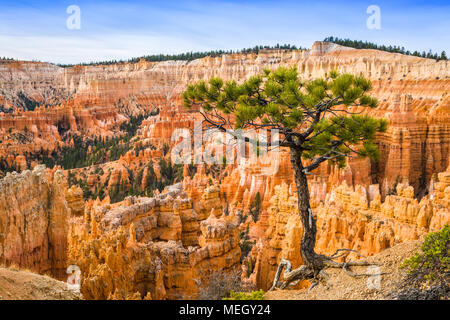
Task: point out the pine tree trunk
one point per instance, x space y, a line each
310 258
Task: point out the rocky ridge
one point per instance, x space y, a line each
34 221
367 206
154 248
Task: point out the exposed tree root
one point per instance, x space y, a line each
304 272
289 275
346 252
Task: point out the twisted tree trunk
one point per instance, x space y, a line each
309 256
314 264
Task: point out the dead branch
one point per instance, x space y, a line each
292 277
301 273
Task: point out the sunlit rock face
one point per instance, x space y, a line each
413 95
34 221
164 244
159 248
350 217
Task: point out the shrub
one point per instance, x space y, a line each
428 271
255 208
219 284
393 191
254 295
246 247
433 263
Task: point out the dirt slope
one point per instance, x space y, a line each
23 285
341 286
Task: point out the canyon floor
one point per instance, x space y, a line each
23 285
341 286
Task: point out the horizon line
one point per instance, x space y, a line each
221 52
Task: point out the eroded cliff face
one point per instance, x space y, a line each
158 248
350 217
26 84
415 146
33 221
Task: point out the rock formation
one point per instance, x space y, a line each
352 218
34 221
159 248
98 98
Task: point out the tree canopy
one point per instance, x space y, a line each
189 56
314 117
318 120
358 44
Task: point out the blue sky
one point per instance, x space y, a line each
36 30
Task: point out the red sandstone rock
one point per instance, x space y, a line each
33 221
168 250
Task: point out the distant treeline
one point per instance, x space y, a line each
95 151
84 152
169 174
187 56
7 59
358 44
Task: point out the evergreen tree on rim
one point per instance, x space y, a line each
317 121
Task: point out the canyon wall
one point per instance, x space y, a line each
350 217
153 248
415 146
162 247
34 221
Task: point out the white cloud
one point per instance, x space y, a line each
77 49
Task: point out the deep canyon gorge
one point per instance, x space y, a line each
139 226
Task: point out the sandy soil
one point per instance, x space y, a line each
341 286
23 285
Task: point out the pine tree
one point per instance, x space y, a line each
255 208
369 45
314 123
